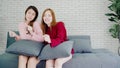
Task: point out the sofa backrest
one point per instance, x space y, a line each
10 40
82 43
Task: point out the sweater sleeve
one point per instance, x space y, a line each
23 32
61 35
37 34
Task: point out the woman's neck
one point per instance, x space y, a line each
27 22
48 25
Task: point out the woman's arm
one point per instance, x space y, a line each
61 35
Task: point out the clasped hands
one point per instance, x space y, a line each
30 29
47 38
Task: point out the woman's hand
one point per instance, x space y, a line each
12 34
30 29
17 38
47 38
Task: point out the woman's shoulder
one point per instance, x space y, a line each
60 23
21 24
36 23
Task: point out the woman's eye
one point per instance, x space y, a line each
33 14
28 12
44 15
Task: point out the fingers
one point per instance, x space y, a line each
46 35
30 28
47 38
12 34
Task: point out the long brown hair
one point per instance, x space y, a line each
43 24
36 14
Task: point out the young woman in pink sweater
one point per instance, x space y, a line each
54 34
31 30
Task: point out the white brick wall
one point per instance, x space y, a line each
81 17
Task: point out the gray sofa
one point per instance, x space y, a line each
96 58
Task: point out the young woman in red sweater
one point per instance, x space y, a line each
54 34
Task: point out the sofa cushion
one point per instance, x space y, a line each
62 50
99 59
25 47
82 44
8 60
10 40
94 60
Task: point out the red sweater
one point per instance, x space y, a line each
57 34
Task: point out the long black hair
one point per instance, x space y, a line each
36 14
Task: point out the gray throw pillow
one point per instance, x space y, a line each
60 51
82 43
25 47
82 46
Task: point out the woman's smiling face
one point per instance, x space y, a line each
30 15
47 17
